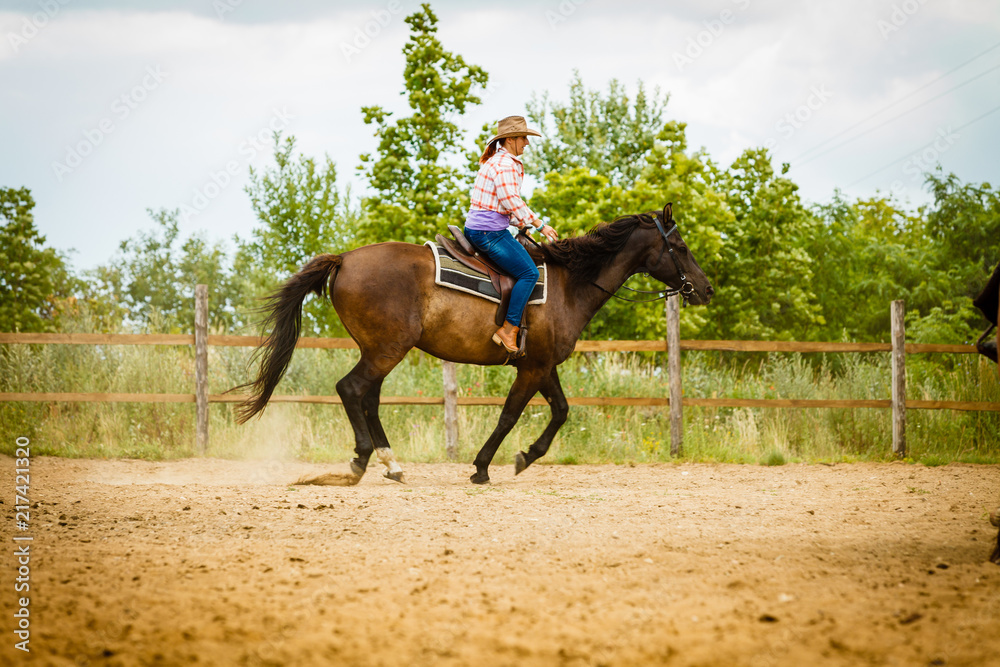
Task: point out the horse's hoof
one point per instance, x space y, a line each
520 463
395 476
480 478
357 470
995 517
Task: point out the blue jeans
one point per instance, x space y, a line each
510 256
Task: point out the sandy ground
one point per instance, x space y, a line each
221 562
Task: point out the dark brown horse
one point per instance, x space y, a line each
386 298
995 520
988 302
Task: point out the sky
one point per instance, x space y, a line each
111 108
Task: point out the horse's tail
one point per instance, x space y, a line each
284 319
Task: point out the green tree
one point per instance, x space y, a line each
301 214
865 255
961 238
764 280
34 280
416 176
576 199
963 230
606 134
152 277
936 259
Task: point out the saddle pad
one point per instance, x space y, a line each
449 272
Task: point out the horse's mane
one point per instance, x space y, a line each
585 256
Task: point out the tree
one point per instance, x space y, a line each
764 284
865 255
575 199
608 135
936 259
963 230
418 183
301 214
33 279
962 241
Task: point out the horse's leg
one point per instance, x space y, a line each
370 405
553 393
354 389
524 387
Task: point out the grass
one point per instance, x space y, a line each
774 458
321 433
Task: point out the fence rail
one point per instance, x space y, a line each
450 398
581 346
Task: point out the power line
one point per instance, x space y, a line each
897 116
889 106
909 154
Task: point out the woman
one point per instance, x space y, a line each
496 204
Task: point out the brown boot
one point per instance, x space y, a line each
507 337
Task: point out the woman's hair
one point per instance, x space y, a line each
491 149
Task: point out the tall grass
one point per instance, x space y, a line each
591 435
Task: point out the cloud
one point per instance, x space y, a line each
227 77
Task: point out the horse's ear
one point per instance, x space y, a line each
668 213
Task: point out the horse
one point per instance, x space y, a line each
387 300
995 520
988 303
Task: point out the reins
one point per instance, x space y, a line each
663 293
685 290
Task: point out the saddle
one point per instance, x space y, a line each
464 252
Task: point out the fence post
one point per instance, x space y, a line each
897 311
450 410
674 374
201 366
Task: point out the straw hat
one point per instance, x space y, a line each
512 126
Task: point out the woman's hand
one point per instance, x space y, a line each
549 233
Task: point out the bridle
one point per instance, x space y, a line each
686 290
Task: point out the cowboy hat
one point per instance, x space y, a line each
512 126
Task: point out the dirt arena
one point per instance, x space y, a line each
218 562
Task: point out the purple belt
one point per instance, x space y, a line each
487 221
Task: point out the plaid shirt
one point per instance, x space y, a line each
498 188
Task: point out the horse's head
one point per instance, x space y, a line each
669 260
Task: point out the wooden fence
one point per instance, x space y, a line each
450 399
